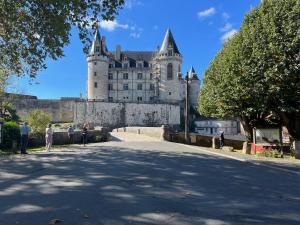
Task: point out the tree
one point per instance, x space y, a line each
33 30
8 112
38 120
256 75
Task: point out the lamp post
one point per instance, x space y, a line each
186 133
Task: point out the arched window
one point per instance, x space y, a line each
170 71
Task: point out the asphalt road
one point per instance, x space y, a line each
143 181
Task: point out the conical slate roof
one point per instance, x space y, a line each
192 74
96 42
168 43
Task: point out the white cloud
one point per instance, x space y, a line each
225 15
208 12
129 4
112 25
135 32
227 27
228 35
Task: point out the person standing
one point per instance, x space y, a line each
84 135
24 130
71 134
49 137
222 139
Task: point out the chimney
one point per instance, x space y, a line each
118 53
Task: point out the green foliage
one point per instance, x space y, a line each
33 30
11 132
269 153
8 111
38 120
256 74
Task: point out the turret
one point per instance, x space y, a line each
169 60
194 87
98 64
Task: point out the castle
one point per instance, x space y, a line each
124 88
138 76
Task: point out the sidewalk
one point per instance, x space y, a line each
289 165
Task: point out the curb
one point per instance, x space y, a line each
254 162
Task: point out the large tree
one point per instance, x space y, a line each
33 30
256 75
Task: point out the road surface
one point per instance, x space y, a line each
139 180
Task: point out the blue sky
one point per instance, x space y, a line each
199 28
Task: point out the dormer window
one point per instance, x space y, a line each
125 65
170 52
139 65
97 49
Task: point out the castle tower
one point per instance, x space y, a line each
98 63
194 87
169 61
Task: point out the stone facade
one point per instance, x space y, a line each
138 76
126 114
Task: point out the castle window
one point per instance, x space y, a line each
111 65
139 99
125 76
140 87
151 98
110 87
125 65
95 73
151 87
140 65
125 87
140 76
110 99
170 71
110 76
95 63
170 93
170 52
95 85
151 76
97 49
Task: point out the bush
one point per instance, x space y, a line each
11 132
269 153
38 120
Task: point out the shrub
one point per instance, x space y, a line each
11 132
38 120
269 153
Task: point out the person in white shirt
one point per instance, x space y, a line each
49 137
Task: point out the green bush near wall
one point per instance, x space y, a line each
11 132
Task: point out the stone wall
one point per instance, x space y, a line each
126 114
60 110
61 138
155 132
206 141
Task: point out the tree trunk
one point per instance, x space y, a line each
292 122
244 120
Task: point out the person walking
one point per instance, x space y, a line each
49 137
222 139
84 133
24 130
71 134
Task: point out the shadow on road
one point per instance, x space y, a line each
118 185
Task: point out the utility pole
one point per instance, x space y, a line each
186 134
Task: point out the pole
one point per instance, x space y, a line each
187 136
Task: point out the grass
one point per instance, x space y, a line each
32 149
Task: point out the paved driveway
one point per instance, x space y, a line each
143 181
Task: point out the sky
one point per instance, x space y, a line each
199 27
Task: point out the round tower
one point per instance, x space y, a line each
98 63
194 87
169 62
